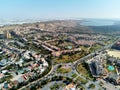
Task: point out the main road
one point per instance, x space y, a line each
74 64
94 53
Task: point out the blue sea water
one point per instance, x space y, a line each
97 22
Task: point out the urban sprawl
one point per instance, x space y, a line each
55 55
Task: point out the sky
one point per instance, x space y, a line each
51 9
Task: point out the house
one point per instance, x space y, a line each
1 75
10 85
5 86
114 78
3 62
56 53
15 82
70 87
118 70
20 62
20 80
111 60
26 55
118 63
4 71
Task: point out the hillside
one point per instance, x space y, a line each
68 26
113 29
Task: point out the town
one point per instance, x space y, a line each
42 56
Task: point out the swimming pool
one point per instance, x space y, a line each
111 68
69 47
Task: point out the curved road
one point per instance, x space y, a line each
54 68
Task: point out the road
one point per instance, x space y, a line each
92 54
54 68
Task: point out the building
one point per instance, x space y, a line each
96 66
97 69
70 87
7 34
114 79
2 35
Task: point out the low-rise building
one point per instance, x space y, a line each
70 86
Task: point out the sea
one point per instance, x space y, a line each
11 22
97 22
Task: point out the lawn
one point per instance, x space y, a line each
94 48
84 70
69 57
62 44
63 70
74 75
81 80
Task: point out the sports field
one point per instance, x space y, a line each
114 53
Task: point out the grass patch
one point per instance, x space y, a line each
94 48
92 86
63 70
69 57
83 69
74 75
82 80
80 87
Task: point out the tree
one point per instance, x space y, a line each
92 86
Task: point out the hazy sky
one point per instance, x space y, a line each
59 9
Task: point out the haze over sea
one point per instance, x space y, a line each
85 22
98 22
10 22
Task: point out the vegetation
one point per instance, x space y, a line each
83 69
101 83
92 86
74 75
62 43
83 81
38 76
69 57
63 70
55 78
113 29
54 87
80 87
94 48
